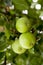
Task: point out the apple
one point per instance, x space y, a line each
17 47
23 25
27 40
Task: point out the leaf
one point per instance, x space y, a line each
2 19
20 60
1 28
3 46
31 51
7 33
12 12
32 14
3 43
20 4
35 60
40 2
2 57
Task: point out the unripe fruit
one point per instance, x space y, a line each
23 25
27 40
17 47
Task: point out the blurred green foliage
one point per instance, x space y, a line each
8 19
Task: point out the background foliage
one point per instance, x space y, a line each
10 11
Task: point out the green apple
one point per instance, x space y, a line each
27 40
17 47
23 24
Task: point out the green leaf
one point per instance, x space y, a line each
2 57
12 12
40 2
19 60
31 51
7 33
3 43
2 19
3 46
35 60
32 14
20 4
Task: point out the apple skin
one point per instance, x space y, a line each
23 25
17 47
27 40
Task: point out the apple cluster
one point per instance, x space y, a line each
26 40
